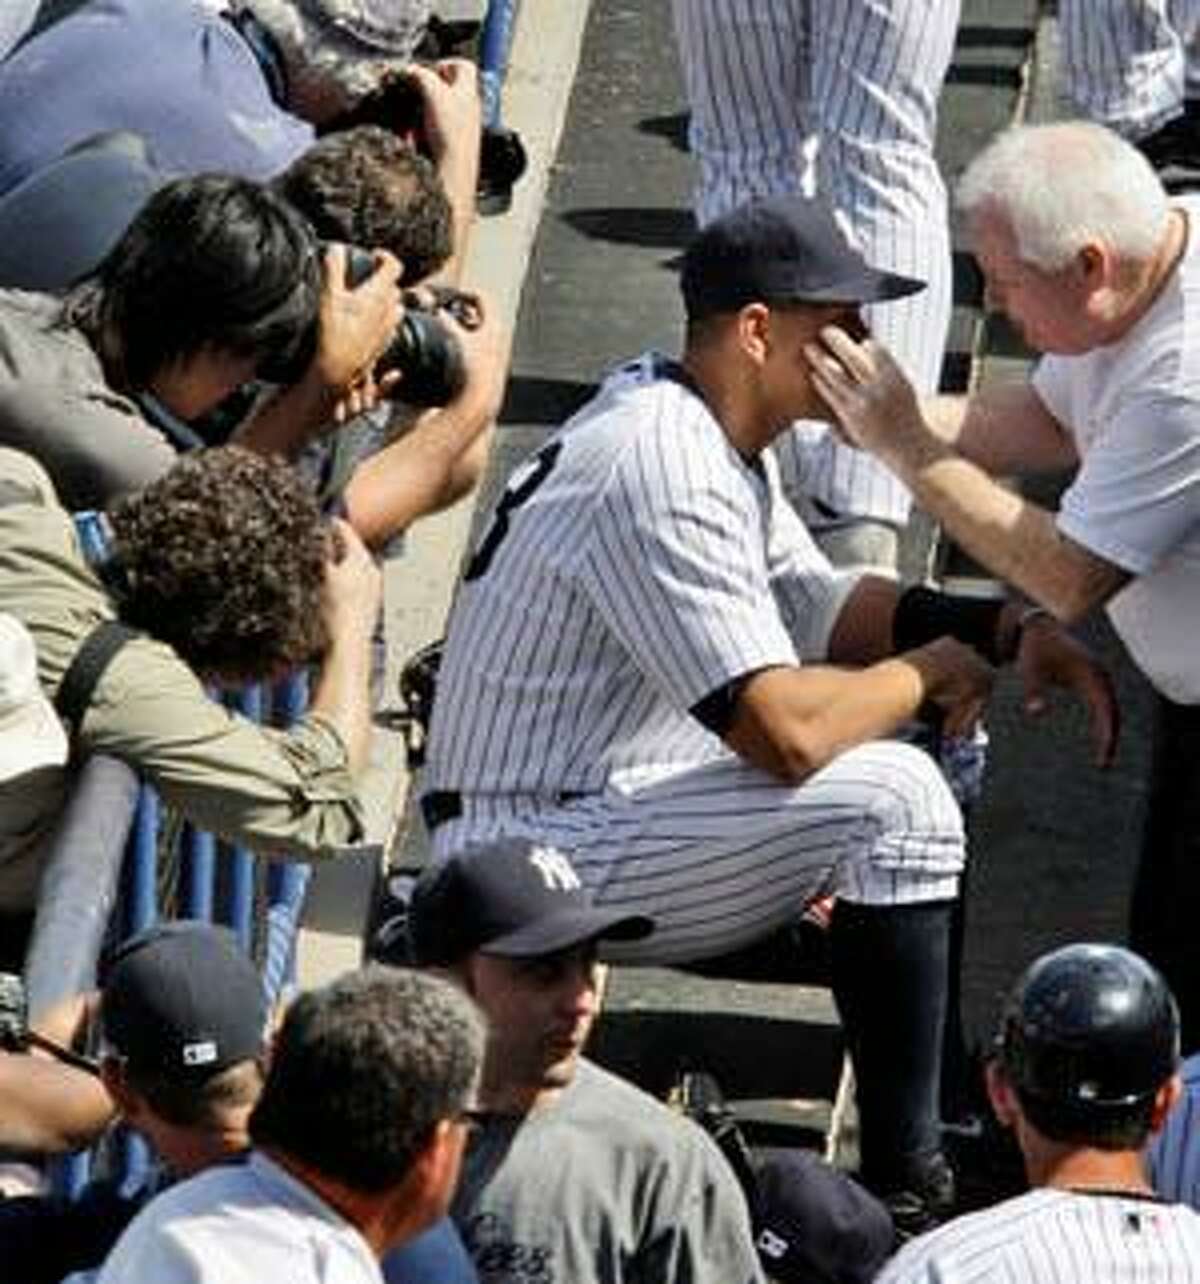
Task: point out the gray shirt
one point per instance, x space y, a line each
607 1185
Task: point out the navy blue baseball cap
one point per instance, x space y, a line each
184 1001
781 249
516 898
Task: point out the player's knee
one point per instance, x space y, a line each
915 824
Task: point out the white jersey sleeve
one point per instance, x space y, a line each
677 562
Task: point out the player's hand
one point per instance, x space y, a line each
453 116
1047 655
874 406
958 681
356 325
353 587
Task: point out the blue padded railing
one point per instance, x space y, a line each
106 880
495 40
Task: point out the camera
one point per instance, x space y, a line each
422 348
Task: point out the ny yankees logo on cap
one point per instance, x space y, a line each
516 898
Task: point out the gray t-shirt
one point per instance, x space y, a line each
604 1185
56 406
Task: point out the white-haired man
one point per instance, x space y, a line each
1081 248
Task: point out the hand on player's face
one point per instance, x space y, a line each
871 398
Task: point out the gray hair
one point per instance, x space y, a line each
1060 185
364 1069
318 52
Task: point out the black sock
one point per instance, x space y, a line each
890 973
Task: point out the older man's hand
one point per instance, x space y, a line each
1048 656
874 406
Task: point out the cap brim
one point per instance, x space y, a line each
872 286
571 927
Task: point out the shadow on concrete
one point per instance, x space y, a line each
674 128
530 400
654 228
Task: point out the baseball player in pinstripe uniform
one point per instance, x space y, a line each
1085 1072
1134 65
643 669
837 97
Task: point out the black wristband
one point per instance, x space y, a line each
923 614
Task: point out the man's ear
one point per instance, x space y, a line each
116 1084
754 331
1164 1102
1000 1093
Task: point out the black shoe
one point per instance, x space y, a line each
387 938
924 1201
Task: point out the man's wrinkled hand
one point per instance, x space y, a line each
1048 656
871 398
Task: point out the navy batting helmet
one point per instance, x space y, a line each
1090 1027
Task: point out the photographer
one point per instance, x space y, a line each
216 282
365 186
222 571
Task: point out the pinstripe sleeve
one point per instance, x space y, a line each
677 563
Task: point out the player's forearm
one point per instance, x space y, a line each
792 722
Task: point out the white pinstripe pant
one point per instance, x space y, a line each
722 854
839 96
1130 64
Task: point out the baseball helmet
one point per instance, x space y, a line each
1091 1027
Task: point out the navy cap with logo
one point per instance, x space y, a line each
781 249
516 898
815 1224
182 1000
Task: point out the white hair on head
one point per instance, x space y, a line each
319 58
1060 185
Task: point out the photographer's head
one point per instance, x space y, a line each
336 51
215 277
366 186
225 559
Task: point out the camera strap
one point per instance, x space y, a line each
97 649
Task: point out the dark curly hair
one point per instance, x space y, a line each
209 261
366 186
225 559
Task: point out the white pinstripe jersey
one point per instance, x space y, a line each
1057 1237
634 565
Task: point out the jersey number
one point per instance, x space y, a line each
517 492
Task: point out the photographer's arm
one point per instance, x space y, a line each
442 457
354 326
351 599
453 126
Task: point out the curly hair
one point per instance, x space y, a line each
225 560
366 186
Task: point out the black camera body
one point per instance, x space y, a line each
427 354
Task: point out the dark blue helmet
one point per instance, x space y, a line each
1090 1026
